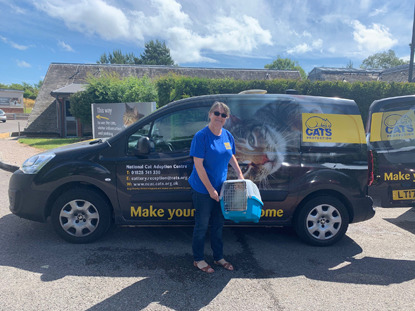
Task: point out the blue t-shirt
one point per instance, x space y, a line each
216 151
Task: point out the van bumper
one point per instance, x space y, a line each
362 209
24 201
382 197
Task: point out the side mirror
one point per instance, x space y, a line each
143 146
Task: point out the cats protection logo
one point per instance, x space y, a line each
318 128
332 128
393 125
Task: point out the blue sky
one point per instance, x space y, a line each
214 33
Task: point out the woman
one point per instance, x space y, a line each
212 149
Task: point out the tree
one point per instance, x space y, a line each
286 64
382 60
110 88
30 91
117 57
155 53
349 65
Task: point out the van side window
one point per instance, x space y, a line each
393 129
392 132
174 132
133 139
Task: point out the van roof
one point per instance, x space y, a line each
290 97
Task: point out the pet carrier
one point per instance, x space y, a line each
240 200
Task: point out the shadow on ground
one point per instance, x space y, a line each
161 259
405 221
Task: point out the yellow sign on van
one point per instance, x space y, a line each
408 194
392 125
332 128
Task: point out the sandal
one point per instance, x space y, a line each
223 263
207 268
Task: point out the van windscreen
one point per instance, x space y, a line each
393 129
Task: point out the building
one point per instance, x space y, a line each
396 74
51 116
11 101
344 74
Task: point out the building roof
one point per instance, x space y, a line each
345 70
61 78
344 74
396 69
396 74
11 90
69 89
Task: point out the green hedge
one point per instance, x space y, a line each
173 87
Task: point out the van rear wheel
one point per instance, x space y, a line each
81 216
322 221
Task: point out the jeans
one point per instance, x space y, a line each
207 210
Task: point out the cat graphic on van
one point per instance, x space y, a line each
318 122
397 119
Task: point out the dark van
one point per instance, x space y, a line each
391 142
308 156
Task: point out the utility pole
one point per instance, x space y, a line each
411 60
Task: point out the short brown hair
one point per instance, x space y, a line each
218 105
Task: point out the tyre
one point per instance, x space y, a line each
322 221
81 216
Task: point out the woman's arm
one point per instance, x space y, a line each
205 179
235 165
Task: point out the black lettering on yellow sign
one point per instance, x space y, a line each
403 194
152 212
409 194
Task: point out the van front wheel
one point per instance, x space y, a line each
81 216
322 221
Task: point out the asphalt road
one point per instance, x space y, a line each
12 126
372 268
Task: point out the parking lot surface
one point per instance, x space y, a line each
372 268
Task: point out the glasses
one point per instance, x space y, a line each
223 115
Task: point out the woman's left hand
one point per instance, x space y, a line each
235 165
214 195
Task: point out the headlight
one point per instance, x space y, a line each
35 163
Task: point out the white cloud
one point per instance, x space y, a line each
231 34
372 39
91 17
203 31
299 49
17 9
13 44
317 44
406 58
305 48
23 64
186 36
65 46
306 34
187 43
379 11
